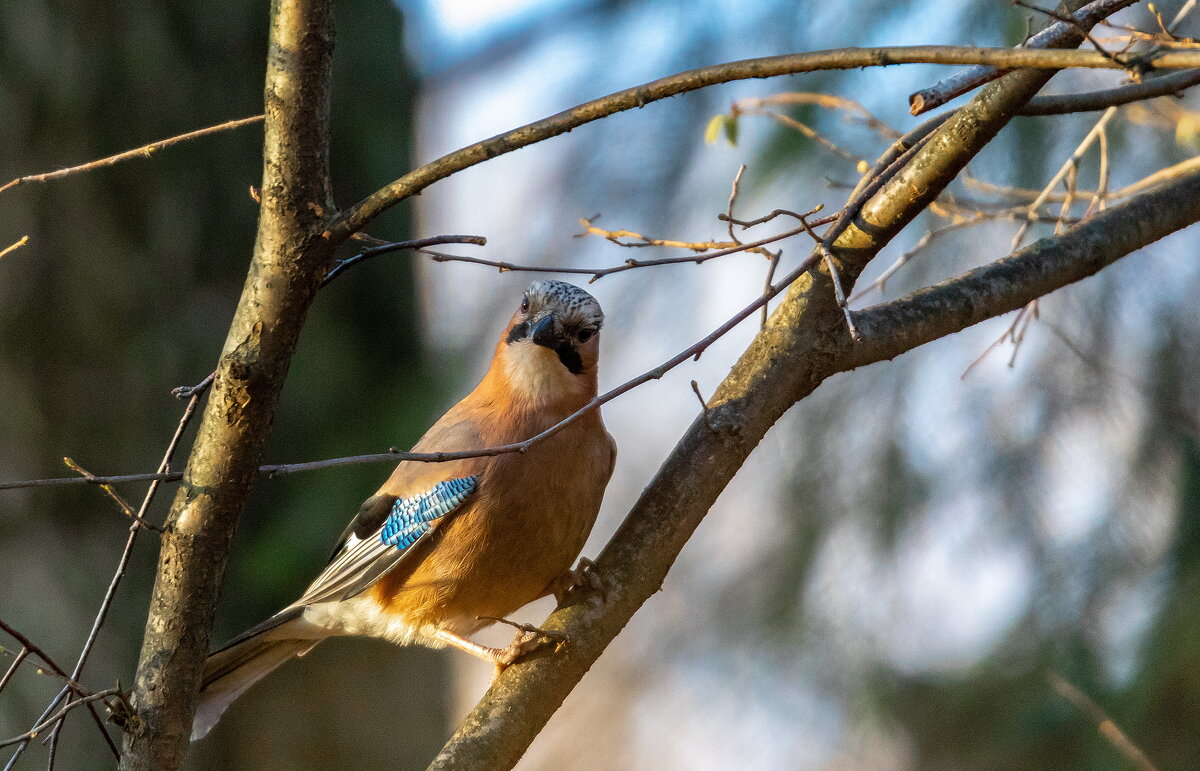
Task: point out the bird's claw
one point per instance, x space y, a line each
583 577
529 638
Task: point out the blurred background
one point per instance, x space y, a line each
885 585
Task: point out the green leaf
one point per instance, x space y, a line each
713 129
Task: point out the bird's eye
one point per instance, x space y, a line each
525 303
585 335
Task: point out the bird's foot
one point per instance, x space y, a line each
529 638
583 577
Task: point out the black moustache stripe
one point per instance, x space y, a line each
570 358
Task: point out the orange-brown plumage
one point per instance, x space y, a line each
511 541
531 514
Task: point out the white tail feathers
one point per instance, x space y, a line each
245 661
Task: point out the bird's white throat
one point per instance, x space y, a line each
537 376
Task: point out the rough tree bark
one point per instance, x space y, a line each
290 258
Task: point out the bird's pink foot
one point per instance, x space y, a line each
529 638
583 577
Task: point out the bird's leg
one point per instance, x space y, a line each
583 576
529 638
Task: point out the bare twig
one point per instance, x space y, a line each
834 277
764 311
416 244
54 667
1104 724
634 240
117 498
141 152
973 77
745 224
139 518
1092 101
809 132
12 669
13 247
187 392
1187 8
1070 163
596 274
37 729
828 101
733 194
703 406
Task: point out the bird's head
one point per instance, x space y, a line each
551 345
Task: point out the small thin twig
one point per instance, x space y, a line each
733 194
827 101
637 240
13 247
976 218
56 669
1100 198
12 669
835 277
187 392
745 224
703 406
416 244
811 133
1070 163
140 152
596 274
40 727
117 498
764 311
1187 8
1104 724
123 563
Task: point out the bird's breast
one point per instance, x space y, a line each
523 528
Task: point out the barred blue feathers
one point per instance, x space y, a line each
412 518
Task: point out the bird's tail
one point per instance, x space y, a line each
248 658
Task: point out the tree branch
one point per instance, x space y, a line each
290 260
891 328
359 215
1052 36
1093 101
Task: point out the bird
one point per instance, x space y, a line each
441 550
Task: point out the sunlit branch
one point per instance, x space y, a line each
969 79
13 247
1104 724
362 213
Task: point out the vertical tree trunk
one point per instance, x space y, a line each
290 258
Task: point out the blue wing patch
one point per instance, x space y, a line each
412 518
359 563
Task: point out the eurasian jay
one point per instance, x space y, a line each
444 549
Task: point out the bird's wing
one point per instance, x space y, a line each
374 543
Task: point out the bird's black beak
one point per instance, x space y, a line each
542 332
